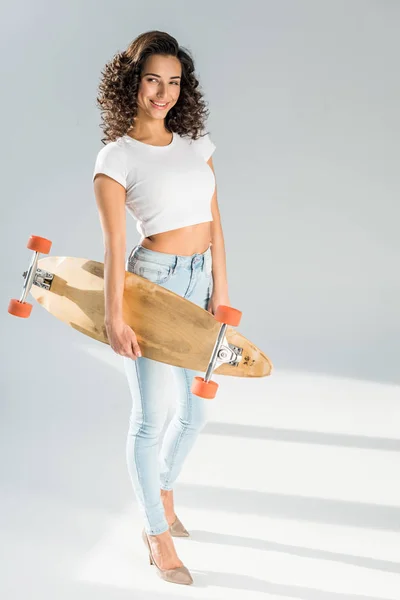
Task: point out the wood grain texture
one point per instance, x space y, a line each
169 328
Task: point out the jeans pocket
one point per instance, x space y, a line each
152 271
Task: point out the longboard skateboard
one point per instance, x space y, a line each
169 328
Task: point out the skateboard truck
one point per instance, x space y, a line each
42 279
222 352
33 276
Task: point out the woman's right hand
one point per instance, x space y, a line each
122 338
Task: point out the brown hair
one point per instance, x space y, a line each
117 95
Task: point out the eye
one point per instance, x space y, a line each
152 79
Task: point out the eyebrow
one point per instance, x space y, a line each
155 75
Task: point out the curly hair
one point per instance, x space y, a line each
118 88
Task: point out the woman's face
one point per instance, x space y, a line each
160 83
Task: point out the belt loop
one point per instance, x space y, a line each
130 255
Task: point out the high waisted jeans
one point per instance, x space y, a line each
149 470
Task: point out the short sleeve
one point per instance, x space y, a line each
111 161
204 146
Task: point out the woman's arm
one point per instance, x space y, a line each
110 199
220 279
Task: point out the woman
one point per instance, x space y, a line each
157 166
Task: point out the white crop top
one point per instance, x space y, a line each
167 187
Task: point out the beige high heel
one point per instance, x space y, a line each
177 575
178 530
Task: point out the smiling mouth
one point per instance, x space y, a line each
158 106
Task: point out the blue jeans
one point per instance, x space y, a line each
191 278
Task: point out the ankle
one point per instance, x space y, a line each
160 536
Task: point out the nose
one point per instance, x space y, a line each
161 91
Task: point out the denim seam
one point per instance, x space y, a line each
160 528
192 283
185 427
142 404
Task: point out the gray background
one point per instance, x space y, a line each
304 103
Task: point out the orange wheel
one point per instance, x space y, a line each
19 309
204 389
39 244
227 314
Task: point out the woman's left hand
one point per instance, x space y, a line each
216 299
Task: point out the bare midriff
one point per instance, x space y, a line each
184 241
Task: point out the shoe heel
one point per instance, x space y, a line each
146 541
177 575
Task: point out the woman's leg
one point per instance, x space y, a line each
145 378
